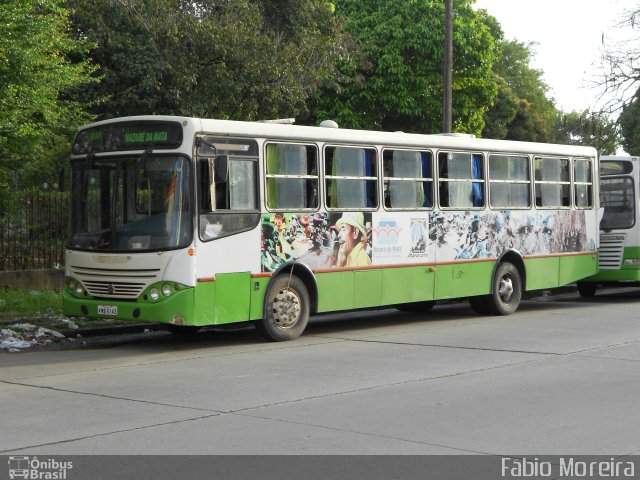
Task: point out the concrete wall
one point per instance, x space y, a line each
33 279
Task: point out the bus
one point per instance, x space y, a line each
619 228
199 222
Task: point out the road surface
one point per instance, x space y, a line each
559 377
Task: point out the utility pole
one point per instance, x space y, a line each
448 66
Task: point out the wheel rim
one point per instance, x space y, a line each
505 289
286 308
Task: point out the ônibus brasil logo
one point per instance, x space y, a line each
33 468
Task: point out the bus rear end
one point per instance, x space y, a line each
619 259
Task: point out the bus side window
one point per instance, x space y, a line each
407 179
232 205
351 179
583 183
461 181
553 183
509 181
292 176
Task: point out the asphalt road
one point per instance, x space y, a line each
561 376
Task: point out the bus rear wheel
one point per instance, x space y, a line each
507 290
480 304
286 311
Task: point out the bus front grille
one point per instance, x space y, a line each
115 283
611 251
115 290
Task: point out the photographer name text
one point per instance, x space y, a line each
524 467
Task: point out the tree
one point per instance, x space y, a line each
238 59
629 121
40 64
394 81
621 62
621 79
595 129
522 110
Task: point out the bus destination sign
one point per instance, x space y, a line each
129 136
146 137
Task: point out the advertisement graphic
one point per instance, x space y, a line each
476 235
320 240
356 239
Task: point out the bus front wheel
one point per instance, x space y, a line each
587 289
507 290
286 311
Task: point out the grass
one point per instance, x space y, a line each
42 308
22 304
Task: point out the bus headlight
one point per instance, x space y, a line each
154 294
166 290
632 262
79 290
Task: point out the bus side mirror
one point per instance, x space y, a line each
221 169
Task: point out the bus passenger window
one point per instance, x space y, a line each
553 183
509 181
292 176
461 182
351 180
408 181
583 184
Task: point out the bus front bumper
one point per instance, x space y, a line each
176 310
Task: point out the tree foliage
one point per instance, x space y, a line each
630 125
523 109
395 77
374 64
595 129
40 64
239 59
621 61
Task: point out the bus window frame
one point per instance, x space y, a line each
318 177
199 191
548 182
472 180
575 183
432 179
375 178
622 176
528 182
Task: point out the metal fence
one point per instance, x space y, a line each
33 230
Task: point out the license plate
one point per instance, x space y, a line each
107 310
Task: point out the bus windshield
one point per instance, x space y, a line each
618 201
131 203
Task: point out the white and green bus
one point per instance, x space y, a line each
619 228
193 222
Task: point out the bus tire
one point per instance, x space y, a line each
587 289
507 290
286 309
480 304
418 307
